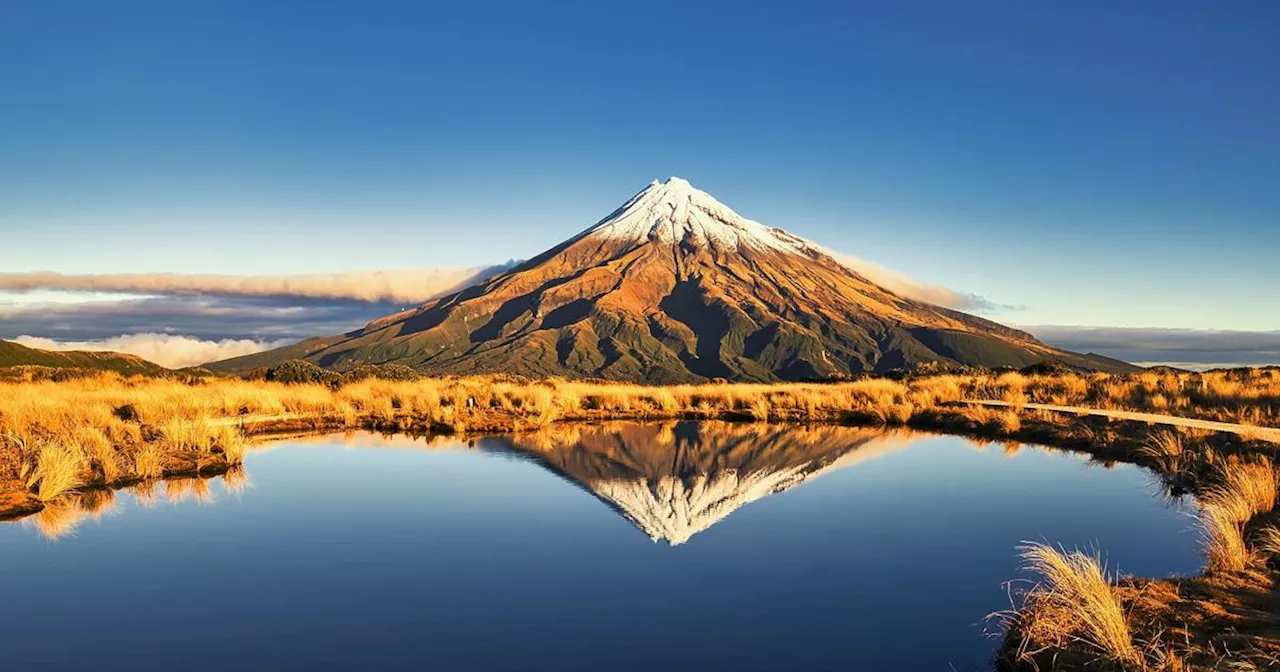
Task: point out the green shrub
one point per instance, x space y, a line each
381 372
299 371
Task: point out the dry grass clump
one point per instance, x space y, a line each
1269 540
1244 489
1074 603
58 469
1166 450
1222 539
148 462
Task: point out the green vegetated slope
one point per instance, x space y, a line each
14 355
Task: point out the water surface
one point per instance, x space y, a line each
618 547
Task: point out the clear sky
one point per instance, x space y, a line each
1095 163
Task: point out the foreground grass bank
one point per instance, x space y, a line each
62 443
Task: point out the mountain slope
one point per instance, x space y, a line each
674 287
13 355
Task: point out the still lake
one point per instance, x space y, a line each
681 546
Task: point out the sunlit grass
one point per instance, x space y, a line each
1222 539
1166 450
1074 603
58 470
1269 540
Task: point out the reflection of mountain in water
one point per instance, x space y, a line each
671 480
676 480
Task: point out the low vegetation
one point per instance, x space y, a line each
1073 605
58 436
1248 396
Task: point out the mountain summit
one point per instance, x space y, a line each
676 212
675 286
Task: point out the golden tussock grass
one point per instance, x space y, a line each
1245 488
1243 396
58 469
1166 450
1222 540
1269 540
1073 604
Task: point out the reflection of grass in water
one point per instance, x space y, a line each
181 489
235 479
62 516
98 502
58 519
145 494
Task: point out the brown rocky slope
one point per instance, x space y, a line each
676 287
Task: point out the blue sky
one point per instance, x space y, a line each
1088 162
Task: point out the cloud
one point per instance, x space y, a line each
163 349
405 286
1185 348
275 308
904 285
203 317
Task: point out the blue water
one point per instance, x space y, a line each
342 554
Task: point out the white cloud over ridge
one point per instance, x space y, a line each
179 320
403 286
904 285
167 350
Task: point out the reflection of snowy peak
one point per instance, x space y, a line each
674 481
674 510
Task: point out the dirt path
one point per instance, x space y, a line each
1264 433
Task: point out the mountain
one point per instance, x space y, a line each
675 480
13 355
676 287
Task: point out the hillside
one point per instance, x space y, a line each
13 355
672 287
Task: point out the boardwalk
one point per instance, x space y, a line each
1265 433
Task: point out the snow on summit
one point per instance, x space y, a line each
676 211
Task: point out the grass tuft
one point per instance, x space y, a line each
1074 603
58 470
1222 539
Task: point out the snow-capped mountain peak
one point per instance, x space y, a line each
675 211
